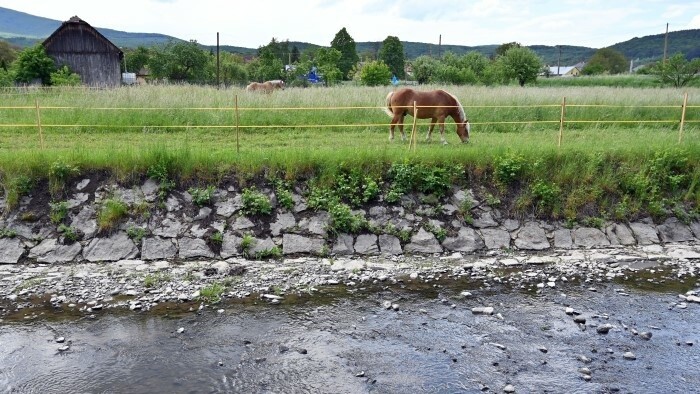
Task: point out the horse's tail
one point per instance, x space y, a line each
387 108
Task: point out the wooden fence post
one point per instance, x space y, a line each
561 120
237 127
38 124
685 104
413 129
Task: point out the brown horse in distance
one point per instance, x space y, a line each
265 87
436 105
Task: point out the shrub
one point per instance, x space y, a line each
70 234
136 233
7 233
201 197
111 212
343 220
255 202
65 77
59 173
284 196
58 211
212 293
509 168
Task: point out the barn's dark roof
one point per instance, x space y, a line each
76 22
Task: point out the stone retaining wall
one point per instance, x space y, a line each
178 230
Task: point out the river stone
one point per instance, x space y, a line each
231 245
157 248
389 244
193 248
284 221
116 247
242 223
261 245
695 228
49 251
644 233
11 250
150 190
484 220
293 243
467 240
168 228
343 245
588 237
624 235
316 224
366 244
562 239
672 230
423 242
464 199
228 207
77 200
531 237
496 238
86 222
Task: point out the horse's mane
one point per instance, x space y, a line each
462 115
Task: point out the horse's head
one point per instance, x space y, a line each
463 129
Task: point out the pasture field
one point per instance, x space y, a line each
608 133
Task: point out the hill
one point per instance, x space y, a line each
23 30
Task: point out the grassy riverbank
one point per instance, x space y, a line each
619 157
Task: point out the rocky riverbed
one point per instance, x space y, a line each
31 291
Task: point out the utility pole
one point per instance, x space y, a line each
217 60
665 42
439 46
559 60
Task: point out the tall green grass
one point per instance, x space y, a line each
301 133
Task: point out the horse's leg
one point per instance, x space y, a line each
430 129
442 131
402 117
394 121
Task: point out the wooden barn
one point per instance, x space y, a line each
86 52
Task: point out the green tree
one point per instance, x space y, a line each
8 54
391 54
182 62
137 59
327 60
232 69
375 73
7 78
606 60
267 66
295 54
521 64
65 77
33 63
677 71
503 48
348 51
424 68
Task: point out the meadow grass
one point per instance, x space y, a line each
610 133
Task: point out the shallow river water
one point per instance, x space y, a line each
346 341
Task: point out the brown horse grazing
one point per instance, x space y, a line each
265 87
436 105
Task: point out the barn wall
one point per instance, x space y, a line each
82 49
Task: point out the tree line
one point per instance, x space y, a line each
189 62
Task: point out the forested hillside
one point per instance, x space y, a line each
23 30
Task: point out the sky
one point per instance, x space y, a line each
254 23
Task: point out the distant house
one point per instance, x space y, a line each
86 52
564 71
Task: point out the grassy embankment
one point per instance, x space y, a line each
609 164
